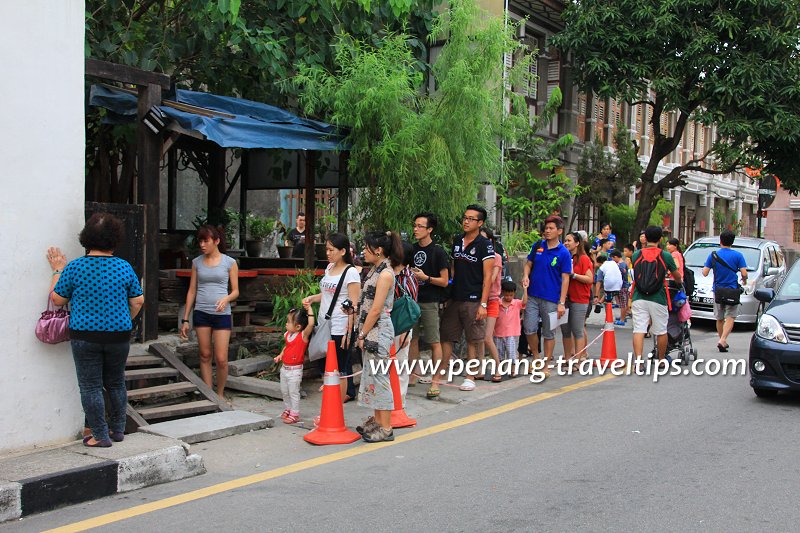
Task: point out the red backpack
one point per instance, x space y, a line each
650 272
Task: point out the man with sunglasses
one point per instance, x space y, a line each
430 267
472 260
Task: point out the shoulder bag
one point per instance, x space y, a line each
405 312
53 326
318 345
725 295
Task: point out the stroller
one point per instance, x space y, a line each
679 336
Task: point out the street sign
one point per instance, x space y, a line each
767 189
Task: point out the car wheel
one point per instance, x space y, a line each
765 393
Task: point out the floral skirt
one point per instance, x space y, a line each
375 390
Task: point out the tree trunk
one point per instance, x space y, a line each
648 198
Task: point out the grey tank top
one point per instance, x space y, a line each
212 284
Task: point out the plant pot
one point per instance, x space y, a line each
254 248
319 250
284 252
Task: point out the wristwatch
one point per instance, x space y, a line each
562 303
572 276
484 305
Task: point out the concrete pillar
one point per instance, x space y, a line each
676 213
710 212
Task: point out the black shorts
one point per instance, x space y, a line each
201 319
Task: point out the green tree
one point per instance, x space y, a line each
231 47
537 184
416 150
724 62
604 177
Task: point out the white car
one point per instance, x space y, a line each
766 266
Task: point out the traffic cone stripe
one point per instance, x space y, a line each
399 417
331 429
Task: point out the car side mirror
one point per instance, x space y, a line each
764 295
773 271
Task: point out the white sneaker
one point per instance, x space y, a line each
467 385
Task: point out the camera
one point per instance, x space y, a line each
347 305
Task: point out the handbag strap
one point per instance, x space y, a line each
718 259
336 294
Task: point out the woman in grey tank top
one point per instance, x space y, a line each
208 294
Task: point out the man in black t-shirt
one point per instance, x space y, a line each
430 267
297 236
473 260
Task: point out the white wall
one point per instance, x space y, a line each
42 184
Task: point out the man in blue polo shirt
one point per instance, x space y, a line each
546 278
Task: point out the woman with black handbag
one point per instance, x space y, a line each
340 285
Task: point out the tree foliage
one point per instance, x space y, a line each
415 149
731 63
231 47
605 178
537 184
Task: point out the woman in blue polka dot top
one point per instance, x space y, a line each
104 297
208 294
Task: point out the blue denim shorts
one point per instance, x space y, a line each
201 319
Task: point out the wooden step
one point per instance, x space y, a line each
143 360
161 390
179 409
150 373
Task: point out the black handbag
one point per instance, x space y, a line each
726 295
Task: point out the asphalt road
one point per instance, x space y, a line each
688 453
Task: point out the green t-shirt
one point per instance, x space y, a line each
661 296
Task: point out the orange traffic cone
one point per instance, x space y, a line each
331 429
609 351
399 417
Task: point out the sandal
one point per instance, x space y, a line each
424 380
432 393
291 419
284 414
722 348
97 444
497 379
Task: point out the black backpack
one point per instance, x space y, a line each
688 280
649 271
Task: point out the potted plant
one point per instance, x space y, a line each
258 228
284 250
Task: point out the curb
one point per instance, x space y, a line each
99 472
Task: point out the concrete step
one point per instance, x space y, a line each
209 427
178 409
150 373
161 390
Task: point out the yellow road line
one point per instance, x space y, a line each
317 461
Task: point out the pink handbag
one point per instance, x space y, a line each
53 326
685 312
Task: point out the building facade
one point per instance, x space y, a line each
704 206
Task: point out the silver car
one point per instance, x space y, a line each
766 266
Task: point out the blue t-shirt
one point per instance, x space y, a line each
548 265
611 237
98 289
724 276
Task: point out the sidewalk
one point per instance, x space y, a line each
45 479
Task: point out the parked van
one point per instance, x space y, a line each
766 266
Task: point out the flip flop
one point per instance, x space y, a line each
432 393
497 379
722 348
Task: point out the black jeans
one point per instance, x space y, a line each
98 366
344 363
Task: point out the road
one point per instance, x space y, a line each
574 453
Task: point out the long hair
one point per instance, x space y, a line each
341 242
389 242
580 249
207 231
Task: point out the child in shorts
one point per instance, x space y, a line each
508 327
299 325
622 297
609 280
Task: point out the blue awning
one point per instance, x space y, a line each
254 125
